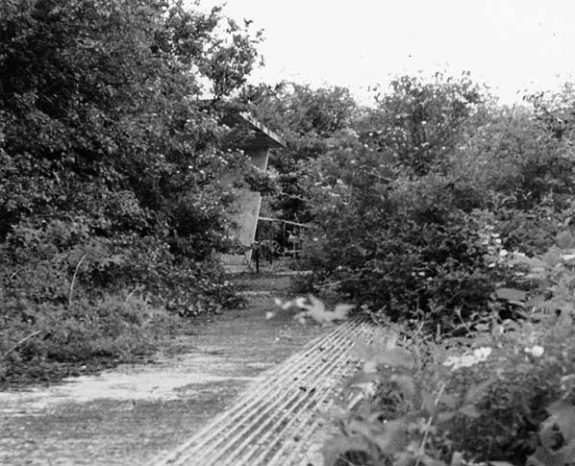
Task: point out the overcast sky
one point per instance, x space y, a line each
509 44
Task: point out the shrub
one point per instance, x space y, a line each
408 221
110 168
504 392
509 398
44 341
411 248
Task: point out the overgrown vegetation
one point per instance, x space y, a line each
445 216
411 211
504 394
450 217
110 170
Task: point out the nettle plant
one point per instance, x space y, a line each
545 283
395 404
504 394
507 400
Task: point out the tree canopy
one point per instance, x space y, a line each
106 150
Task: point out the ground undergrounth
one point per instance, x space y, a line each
130 414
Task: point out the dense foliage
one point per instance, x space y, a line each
452 217
110 165
504 394
312 122
436 208
411 215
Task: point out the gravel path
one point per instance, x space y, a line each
131 414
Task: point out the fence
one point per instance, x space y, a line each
277 238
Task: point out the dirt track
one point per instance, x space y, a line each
129 415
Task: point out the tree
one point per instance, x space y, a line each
102 136
395 227
421 120
313 122
556 110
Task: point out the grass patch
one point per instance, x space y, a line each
46 342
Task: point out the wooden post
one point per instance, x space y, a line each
271 238
284 239
257 257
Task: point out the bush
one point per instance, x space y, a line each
411 216
510 397
110 167
412 248
503 392
47 341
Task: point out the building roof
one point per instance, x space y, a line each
253 135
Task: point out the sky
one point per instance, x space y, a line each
510 45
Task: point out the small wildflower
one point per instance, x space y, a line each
468 360
535 351
370 367
482 353
283 305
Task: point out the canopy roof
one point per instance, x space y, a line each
252 134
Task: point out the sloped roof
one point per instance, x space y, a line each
253 134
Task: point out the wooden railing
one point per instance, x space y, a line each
267 245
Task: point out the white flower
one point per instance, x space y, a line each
369 367
536 351
468 360
482 353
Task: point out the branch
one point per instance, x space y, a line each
23 340
74 279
